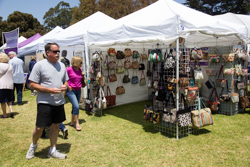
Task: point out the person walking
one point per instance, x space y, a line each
63 59
49 78
73 92
6 85
31 65
18 76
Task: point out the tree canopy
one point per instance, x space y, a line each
60 15
28 25
215 7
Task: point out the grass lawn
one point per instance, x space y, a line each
121 137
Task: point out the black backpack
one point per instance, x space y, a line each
65 61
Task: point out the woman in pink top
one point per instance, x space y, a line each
75 74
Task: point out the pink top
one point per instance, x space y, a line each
75 78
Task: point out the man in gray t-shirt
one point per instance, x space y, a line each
49 78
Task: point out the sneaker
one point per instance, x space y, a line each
65 133
57 154
31 152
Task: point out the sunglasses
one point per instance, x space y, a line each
81 62
55 51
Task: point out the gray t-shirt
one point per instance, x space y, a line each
49 75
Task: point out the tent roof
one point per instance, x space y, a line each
74 34
39 43
20 39
161 21
29 40
239 19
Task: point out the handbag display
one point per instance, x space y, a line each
119 68
213 105
112 52
127 64
120 55
201 117
184 115
170 113
126 78
120 89
234 96
134 79
169 61
112 77
155 55
128 52
111 99
142 80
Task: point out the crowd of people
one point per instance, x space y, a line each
52 79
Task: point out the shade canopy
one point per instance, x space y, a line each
29 40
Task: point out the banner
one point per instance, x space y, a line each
11 38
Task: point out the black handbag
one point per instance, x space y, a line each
126 78
120 55
149 73
142 66
184 115
209 84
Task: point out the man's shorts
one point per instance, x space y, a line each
48 114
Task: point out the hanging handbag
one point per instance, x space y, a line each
192 94
134 79
119 68
128 52
149 73
136 54
213 105
211 72
228 71
120 89
105 64
127 64
196 54
141 66
240 54
142 80
112 65
245 72
112 52
183 80
135 64
234 96
96 56
214 57
201 117
155 55
171 84
161 94
184 114
120 55
88 103
112 77
228 57
169 61
126 78
209 84
170 113
244 100
111 99
148 113
222 82
240 85
224 97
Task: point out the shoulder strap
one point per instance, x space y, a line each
220 72
5 71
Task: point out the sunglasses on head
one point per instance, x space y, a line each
55 51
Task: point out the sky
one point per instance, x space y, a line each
37 8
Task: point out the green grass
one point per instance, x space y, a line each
122 138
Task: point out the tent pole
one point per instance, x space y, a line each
177 85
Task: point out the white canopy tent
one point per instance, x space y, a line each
37 45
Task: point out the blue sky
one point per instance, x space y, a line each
37 8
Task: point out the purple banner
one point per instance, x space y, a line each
11 38
10 49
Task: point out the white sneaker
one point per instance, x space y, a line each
31 152
57 154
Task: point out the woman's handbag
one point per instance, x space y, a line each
234 96
228 71
155 55
142 80
135 64
148 113
134 79
211 72
111 99
112 52
192 94
240 85
96 56
127 64
170 113
136 54
213 105
141 66
224 97
244 100
112 65
209 84
171 83
222 82
119 68
128 52
240 54
196 54
238 68
112 77
126 78
169 61
120 89
201 117
215 57
184 115
245 72
228 57
120 55
105 64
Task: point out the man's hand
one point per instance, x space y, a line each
55 90
63 87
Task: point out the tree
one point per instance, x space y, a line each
28 25
215 7
113 8
61 15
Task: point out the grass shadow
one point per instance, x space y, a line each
64 148
201 131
